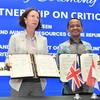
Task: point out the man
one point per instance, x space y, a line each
74 46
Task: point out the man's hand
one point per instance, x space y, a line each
98 62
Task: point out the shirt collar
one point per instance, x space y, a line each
27 35
72 41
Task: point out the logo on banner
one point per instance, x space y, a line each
91 3
44 0
26 1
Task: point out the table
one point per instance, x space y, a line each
83 97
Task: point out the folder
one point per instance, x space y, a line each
84 61
32 65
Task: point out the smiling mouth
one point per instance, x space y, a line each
76 31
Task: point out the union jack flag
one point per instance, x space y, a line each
74 77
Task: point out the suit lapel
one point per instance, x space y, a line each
23 42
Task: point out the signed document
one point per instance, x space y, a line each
21 65
86 62
32 65
46 66
65 62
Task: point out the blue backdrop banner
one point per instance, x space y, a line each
54 17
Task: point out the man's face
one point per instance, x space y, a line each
75 28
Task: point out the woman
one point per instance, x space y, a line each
28 42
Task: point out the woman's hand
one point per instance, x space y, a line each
9 65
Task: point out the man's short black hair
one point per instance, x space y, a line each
72 19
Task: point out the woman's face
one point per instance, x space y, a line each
32 20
